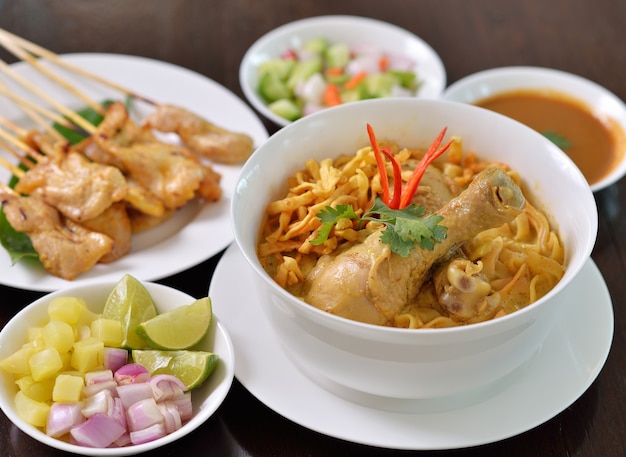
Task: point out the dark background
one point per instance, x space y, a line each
584 37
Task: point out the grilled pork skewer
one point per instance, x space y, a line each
65 248
204 138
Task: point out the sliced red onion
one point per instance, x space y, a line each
138 410
143 414
310 108
122 441
369 64
133 393
171 416
399 91
99 431
400 62
366 49
118 412
146 435
94 377
311 90
115 358
62 417
166 387
100 403
93 389
184 405
131 373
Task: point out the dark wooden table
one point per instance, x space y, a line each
579 36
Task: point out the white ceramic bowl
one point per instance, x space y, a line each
206 398
352 30
477 86
360 360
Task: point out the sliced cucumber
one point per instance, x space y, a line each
379 85
280 67
286 108
337 55
272 87
316 45
406 79
303 71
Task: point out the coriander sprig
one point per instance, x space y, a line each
405 223
404 228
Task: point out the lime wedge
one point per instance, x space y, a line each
180 328
131 304
191 367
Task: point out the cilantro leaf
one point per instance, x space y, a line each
329 217
404 228
560 140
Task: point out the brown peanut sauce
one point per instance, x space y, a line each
594 142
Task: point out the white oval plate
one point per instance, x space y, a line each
196 232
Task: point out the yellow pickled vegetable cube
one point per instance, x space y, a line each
82 332
107 330
88 354
58 334
17 363
67 387
66 309
45 364
66 358
32 411
36 390
33 333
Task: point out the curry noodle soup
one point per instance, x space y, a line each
499 254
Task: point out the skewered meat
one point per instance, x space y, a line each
168 171
201 136
369 283
78 188
65 248
115 223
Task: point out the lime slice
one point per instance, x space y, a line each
180 328
191 367
131 304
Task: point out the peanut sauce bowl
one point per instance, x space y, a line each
388 366
582 117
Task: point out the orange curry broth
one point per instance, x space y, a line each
596 144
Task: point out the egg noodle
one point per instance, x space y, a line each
510 266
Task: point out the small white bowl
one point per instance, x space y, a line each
206 398
353 359
352 30
487 83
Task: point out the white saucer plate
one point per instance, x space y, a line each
198 231
552 380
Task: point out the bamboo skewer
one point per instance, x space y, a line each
9 166
13 126
74 117
46 126
20 145
56 59
24 103
25 56
6 189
